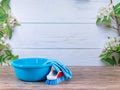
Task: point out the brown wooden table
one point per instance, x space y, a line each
84 78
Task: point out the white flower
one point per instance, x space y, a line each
105 11
112 43
8 46
3 39
12 25
4 44
1 42
5 35
4 25
12 21
0 1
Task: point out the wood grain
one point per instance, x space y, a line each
70 57
57 11
61 29
74 44
60 36
84 78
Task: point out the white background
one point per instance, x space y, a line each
60 29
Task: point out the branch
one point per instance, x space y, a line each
116 19
114 28
111 1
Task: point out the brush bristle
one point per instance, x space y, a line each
56 81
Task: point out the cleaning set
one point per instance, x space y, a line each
51 71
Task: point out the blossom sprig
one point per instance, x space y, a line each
109 16
7 25
7 21
5 53
111 52
104 14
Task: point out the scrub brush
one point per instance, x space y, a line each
55 77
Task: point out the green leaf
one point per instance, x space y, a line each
17 24
106 20
8 57
106 55
1 34
2 11
9 31
98 21
3 16
117 11
1 47
101 55
15 57
5 4
117 6
8 52
118 15
1 59
109 61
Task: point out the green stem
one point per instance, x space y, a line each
113 58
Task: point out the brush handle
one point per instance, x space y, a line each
60 74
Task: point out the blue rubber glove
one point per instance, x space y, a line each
61 67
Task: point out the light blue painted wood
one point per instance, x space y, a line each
70 57
60 36
57 11
61 29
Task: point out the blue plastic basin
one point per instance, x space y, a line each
31 69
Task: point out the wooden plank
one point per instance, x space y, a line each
59 24
84 78
70 57
57 11
60 36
